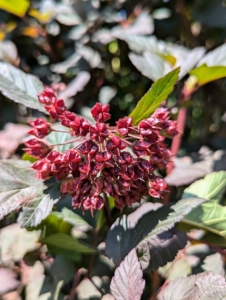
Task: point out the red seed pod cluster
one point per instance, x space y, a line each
118 161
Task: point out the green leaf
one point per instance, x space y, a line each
20 87
13 7
61 243
203 286
210 216
211 187
56 137
136 229
73 218
205 74
159 91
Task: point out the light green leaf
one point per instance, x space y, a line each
56 137
211 187
13 7
210 216
61 243
73 218
205 74
20 87
159 91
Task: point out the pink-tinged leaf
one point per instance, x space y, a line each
127 283
8 281
10 138
203 286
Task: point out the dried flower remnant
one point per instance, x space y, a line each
115 160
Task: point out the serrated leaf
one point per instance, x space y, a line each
164 247
159 91
61 243
20 188
13 7
37 209
136 229
20 87
143 253
205 74
211 187
203 286
127 283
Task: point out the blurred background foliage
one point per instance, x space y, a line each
109 51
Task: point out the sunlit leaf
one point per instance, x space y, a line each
159 91
203 286
127 283
13 7
211 187
20 87
205 74
136 229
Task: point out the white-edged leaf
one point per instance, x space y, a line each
127 283
20 87
203 286
136 229
217 57
20 188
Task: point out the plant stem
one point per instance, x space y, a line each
64 131
107 210
99 289
95 235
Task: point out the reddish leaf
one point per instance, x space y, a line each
127 284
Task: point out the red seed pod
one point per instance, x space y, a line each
48 96
36 148
124 125
101 112
41 128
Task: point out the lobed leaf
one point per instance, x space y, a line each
127 283
20 87
159 91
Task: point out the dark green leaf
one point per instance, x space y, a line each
136 229
159 91
20 87
61 243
